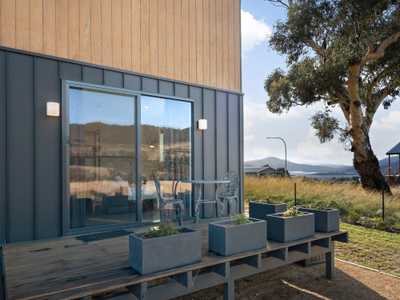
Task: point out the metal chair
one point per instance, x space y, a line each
167 204
227 195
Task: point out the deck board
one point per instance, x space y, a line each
70 268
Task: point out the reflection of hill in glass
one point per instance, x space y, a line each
99 139
151 135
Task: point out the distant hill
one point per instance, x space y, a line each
329 169
300 168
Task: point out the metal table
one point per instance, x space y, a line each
199 183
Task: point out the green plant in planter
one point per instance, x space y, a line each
292 212
241 219
161 230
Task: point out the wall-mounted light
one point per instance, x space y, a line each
202 124
53 109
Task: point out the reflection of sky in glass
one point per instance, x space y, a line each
89 106
166 113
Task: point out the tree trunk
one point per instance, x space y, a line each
367 165
365 161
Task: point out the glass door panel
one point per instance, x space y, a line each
102 158
166 153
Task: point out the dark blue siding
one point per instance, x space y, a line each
3 133
47 151
31 143
20 147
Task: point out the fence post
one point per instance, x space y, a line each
295 194
383 205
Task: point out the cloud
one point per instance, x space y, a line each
259 123
310 150
254 32
389 122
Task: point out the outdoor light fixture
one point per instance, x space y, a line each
202 124
53 109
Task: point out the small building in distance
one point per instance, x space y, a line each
265 170
393 173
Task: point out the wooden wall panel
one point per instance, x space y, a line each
49 26
61 28
196 41
73 29
106 24
96 32
36 25
7 23
22 22
85 52
126 34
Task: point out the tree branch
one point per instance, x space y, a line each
381 75
281 2
313 45
374 54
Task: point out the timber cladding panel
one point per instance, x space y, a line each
196 41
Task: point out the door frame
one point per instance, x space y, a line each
65 205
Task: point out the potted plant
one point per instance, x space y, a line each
290 225
164 247
326 219
260 208
236 235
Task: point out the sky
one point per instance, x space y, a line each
258 60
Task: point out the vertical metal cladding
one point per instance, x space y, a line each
31 144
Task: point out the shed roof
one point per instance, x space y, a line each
394 150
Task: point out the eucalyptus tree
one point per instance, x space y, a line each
346 55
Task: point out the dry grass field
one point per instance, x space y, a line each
368 246
357 205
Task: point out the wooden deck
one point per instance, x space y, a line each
71 268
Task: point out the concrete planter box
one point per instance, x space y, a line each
149 255
227 238
259 210
286 229
326 220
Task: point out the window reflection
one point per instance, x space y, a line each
101 159
166 129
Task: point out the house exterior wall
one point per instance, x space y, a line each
196 41
31 143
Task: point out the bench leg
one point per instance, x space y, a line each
229 290
330 262
139 290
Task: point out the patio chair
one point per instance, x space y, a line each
170 203
227 195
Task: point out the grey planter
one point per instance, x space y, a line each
226 238
326 220
286 229
259 210
149 255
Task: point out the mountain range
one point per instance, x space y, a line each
299 168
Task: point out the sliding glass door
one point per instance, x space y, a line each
102 158
109 182
166 154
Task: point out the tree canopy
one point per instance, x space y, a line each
343 53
